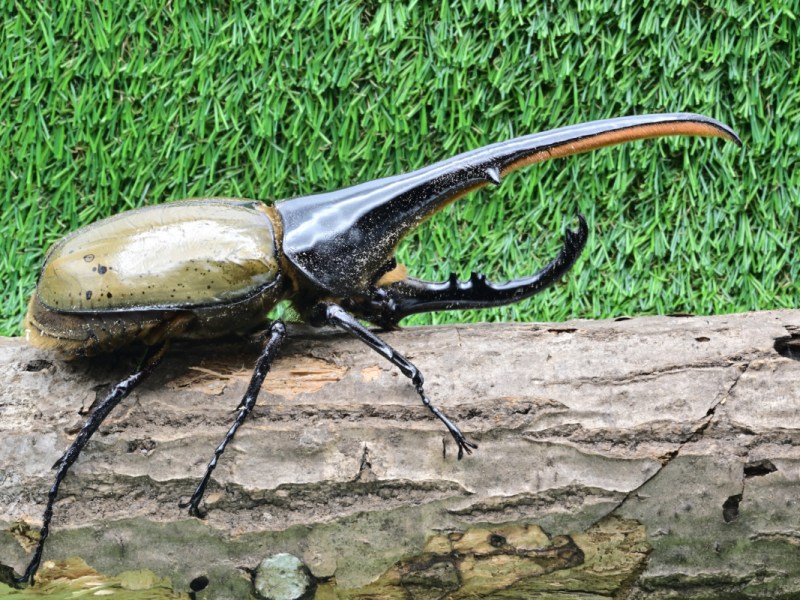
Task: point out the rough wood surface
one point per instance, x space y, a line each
682 435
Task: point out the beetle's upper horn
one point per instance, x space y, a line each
341 240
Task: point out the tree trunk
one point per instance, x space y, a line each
647 457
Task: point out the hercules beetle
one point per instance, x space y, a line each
207 267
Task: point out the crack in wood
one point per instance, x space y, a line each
697 433
789 346
650 374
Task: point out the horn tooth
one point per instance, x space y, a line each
493 174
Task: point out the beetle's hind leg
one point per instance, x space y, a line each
396 301
277 334
333 314
118 393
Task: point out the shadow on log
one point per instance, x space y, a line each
648 457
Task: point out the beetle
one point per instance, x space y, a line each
203 268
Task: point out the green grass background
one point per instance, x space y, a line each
108 105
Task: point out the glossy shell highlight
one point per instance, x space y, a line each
179 255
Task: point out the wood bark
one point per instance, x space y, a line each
633 458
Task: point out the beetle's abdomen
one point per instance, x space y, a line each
181 255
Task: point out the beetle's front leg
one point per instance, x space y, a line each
276 336
333 314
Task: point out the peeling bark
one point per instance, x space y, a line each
688 427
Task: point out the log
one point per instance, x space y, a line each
652 457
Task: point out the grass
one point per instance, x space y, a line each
103 110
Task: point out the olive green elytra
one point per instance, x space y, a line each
213 259
210 267
170 256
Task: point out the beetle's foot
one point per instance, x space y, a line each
193 504
28 577
194 509
464 445
15 581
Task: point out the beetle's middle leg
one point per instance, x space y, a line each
276 336
335 315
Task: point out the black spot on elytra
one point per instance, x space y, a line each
101 269
108 295
89 295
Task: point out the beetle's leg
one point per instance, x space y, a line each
97 416
396 301
335 315
276 336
